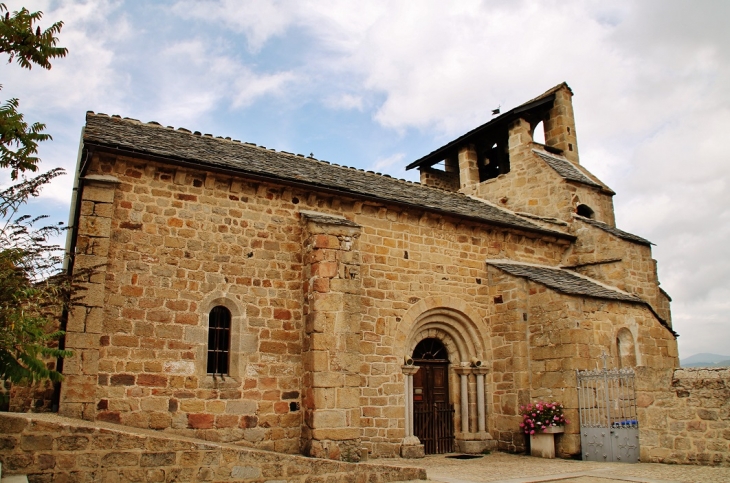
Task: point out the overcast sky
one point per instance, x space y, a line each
379 84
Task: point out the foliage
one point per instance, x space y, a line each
31 293
541 415
32 290
18 140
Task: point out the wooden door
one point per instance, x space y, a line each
433 415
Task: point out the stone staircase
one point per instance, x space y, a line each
47 446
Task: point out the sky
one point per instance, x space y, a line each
378 84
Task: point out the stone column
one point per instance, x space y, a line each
468 169
479 439
85 315
463 373
411 446
481 412
331 351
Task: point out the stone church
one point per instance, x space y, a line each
277 301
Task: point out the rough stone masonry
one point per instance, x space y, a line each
328 282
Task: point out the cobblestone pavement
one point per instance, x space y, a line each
509 468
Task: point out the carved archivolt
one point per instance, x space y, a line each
449 320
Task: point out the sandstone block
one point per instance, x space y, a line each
329 418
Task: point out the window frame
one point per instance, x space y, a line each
218 353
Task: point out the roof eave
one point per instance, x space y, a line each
508 116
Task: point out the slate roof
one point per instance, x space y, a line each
566 169
442 152
615 231
181 145
564 281
571 283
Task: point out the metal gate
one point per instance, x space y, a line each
434 425
609 427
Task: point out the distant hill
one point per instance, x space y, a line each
705 360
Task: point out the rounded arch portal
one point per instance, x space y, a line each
446 329
449 320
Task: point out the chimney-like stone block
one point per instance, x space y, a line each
560 125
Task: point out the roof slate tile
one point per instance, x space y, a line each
209 152
566 169
564 281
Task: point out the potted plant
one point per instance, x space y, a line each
541 420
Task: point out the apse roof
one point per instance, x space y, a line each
572 283
614 231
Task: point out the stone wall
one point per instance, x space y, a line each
321 321
50 448
436 178
541 337
182 241
621 263
685 416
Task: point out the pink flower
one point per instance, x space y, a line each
532 432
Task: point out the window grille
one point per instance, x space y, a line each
219 340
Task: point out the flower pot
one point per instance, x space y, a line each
542 444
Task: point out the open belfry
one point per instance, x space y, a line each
272 300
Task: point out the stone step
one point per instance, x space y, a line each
14 479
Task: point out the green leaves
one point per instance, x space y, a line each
21 43
33 290
18 141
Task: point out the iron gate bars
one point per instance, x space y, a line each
609 426
434 426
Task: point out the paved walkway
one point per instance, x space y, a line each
509 468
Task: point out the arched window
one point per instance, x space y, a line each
584 210
625 348
219 340
430 349
538 133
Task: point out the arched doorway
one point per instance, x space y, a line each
433 414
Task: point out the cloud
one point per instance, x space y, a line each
345 101
258 20
87 74
382 164
649 78
193 79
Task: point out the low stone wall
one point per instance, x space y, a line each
690 422
49 448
